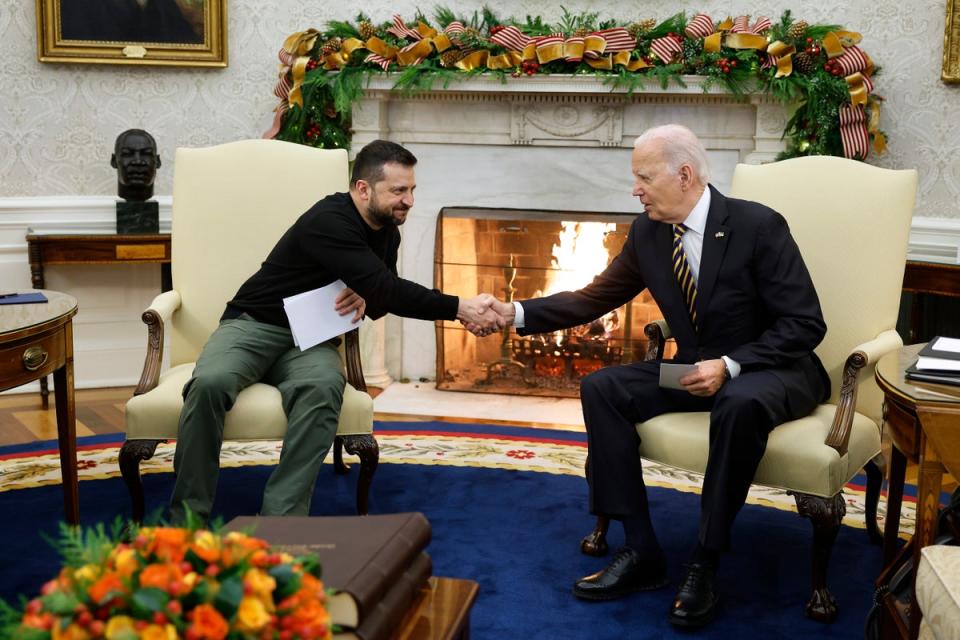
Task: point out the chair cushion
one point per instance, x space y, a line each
938 591
257 414
795 459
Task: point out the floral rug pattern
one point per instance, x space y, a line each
516 453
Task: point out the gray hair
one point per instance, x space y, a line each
679 146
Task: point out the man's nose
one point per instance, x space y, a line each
407 200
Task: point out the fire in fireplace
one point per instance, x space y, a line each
517 254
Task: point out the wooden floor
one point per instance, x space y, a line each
23 420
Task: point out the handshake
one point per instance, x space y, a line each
485 314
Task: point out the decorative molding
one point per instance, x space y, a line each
934 240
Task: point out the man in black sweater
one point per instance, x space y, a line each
352 237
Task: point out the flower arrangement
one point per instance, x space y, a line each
818 67
169 583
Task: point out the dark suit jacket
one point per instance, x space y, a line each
755 298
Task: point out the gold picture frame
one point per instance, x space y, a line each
951 44
181 33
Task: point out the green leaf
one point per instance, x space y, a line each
148 601
288 582
228 597
60 603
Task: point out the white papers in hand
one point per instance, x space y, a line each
313 316
671 373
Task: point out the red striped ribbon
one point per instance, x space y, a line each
700 27
382 62
511 38
401 30
852 60
666 48
618 39
853 131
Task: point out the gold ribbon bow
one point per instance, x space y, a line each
297 46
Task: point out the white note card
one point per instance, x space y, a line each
313 316
947 344
671 373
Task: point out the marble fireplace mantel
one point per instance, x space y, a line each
542 142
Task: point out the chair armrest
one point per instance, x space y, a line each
351 356
155 317
861 355
657 333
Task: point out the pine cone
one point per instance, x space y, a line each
367 30
797 29
331 46
450 57
803 63
582 32
637 29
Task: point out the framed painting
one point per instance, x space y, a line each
185 33
951 44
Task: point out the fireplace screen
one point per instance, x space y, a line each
517 254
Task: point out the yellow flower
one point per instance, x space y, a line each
251 615
260 583
157 632
88 572
126 562
117 625
206 545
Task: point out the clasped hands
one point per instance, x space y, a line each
484 314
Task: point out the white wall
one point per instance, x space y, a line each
58 121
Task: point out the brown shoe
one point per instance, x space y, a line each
627 572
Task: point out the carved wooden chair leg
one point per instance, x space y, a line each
339 466
595 542
366 448
874 482
131 453
826 515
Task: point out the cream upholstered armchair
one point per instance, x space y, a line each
231 203
851 221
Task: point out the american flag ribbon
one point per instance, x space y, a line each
853 131
401 30
666 48
511 38
852 60
700 27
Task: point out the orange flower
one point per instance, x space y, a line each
72 632
160 575
206 546
252 616
169 544
37 620
101 590
208 624
126 561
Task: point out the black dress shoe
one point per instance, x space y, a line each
697 599
627 572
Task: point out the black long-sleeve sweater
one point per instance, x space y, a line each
331 241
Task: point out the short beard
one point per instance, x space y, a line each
381 215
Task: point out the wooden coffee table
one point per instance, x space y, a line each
441 612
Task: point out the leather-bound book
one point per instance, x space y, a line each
361 556
383 620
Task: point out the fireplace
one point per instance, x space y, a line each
521 253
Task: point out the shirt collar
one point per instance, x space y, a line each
697 218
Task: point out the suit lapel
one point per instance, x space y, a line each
716 237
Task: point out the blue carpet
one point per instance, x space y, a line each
516 533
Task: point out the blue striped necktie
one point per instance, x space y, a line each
681 268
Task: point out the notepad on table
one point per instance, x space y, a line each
33 297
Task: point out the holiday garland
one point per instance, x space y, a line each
818 67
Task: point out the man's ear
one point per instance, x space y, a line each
113 160
363 188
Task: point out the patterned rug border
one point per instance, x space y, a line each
482 446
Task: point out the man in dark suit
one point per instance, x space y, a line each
733 287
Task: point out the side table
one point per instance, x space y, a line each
924 422
37 340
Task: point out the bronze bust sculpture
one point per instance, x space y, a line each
136 160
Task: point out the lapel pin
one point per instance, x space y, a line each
719 234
